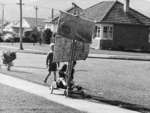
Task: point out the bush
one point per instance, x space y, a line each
27 34
8 38
47 36
1 38
8 56
33 37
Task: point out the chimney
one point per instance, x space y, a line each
126 5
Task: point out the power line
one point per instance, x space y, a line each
11 4
30 5
41 7
6 4
33 6
49 8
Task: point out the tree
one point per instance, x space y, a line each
47 36
33 37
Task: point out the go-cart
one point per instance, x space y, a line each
68 91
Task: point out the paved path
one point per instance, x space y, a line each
43 91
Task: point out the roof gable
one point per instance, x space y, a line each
140 17
9 25
5 23
117 15
32 21
98 11
25 24
70 10
113 12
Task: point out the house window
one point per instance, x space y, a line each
97 31
149 38
105 32
108 32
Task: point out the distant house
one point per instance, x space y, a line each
5 23
53 23
28 24
118 26
9 27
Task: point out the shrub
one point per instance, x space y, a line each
8 37
47 36
8 57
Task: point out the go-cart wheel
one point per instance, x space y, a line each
51 89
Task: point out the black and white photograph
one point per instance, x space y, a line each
74 56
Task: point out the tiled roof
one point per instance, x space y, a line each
98 11
113 12
56 17
32 21
70 10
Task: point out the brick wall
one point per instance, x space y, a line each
130 36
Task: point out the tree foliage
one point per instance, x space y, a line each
47 36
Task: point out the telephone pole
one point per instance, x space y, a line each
21 47
36 10
52 13
2 17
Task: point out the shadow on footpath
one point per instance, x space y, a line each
17 71
26 67
81 70
30 67
121 104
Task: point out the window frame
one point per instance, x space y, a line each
108 33
149 36
98 32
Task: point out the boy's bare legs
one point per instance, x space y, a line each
54 72
47 77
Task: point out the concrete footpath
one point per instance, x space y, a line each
43 91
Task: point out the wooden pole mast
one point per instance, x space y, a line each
72 55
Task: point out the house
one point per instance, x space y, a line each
5 29
118 26
28 24
9 27
5 23
52 23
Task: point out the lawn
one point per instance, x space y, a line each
123 83
44 48
16 101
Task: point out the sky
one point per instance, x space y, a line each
11 9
